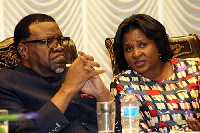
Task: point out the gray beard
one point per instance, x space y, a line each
59 70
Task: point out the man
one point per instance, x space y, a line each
41 82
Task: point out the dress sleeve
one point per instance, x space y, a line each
116 89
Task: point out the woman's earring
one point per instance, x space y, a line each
160 56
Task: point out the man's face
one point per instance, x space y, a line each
43 60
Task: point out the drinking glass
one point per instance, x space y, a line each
106 113
3 124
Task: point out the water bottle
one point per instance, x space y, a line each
130 112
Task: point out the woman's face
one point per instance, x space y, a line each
140 53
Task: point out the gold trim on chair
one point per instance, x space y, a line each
181 45
8 53
109 45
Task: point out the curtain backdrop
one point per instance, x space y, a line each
89 22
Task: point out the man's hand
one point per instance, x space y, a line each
94 86
80 72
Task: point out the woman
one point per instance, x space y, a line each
166 88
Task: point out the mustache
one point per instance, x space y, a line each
58 55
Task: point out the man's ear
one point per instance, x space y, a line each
23 51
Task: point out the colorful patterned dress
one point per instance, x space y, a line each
164 104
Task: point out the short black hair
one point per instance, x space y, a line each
153 30
22 32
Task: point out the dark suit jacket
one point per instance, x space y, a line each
22 91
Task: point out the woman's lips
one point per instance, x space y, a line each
139 63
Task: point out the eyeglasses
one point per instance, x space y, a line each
52 42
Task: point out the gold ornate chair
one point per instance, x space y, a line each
182 47
8 53
185 46
71 52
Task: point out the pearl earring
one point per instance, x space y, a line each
160 56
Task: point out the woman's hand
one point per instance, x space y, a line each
194 125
